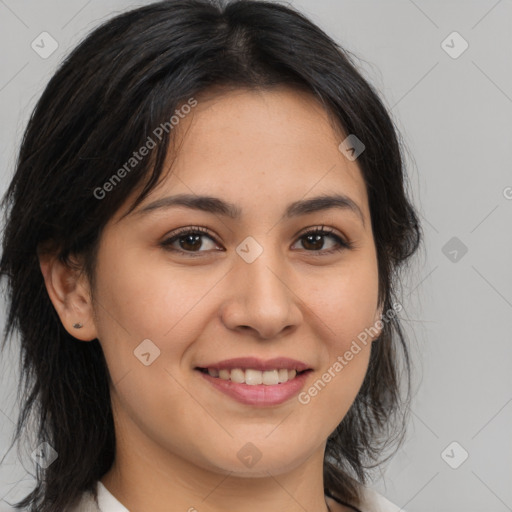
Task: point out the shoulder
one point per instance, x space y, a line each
100 501
372 501
88 503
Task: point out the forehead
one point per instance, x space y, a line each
259 147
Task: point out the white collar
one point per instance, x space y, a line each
372 500
107 502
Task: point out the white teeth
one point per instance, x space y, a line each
254 377
271 377
237 375
213 372
224 374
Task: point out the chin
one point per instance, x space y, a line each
257 468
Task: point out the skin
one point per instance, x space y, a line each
177 436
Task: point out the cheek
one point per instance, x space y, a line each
141 297
345 357
346 305
346 301
134 294
128 307
136 302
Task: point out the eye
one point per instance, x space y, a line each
189 241
314 238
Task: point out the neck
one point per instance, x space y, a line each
145 476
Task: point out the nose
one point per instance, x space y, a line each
262 298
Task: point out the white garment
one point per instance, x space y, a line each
107 502
372 502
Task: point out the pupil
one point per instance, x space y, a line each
195 245
317 238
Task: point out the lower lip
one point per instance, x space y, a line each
259 394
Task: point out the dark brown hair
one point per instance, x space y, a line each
126 78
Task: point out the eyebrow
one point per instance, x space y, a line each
218 206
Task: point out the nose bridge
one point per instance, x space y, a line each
266 302
261 265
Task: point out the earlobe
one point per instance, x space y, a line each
69 292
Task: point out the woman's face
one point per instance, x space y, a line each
250 286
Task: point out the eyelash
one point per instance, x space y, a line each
198 230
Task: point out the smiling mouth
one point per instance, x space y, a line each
253 377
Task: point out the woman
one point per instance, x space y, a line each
203 236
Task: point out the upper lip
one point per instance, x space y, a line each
259 364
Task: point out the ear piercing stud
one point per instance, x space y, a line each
77 326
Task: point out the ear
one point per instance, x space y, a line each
69 292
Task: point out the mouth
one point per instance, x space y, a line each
254 377
255 381
253 387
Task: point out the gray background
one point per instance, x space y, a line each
455 117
